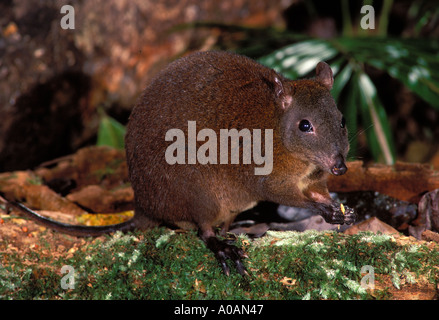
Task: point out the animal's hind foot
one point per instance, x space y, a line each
224 251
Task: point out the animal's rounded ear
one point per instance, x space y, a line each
324 75
279 90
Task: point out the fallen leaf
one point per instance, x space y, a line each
288 281
429 235
374 225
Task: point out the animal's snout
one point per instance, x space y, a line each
339 167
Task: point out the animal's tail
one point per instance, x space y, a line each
74 230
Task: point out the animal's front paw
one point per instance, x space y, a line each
337 213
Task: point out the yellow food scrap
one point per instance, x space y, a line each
342 211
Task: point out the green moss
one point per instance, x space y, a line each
163 264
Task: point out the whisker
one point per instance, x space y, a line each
360 132
353 158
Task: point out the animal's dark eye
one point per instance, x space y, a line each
343 122
305 126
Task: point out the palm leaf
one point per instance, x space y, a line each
374 115
299 59
414 62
